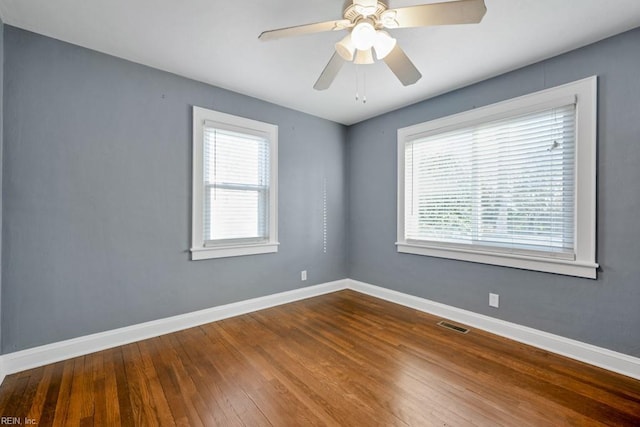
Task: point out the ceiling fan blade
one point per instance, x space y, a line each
299 30
446 13
329 73
402 67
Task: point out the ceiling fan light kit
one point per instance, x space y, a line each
363 57
363 34
384 44
366 21
346 48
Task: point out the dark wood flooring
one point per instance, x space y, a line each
342 359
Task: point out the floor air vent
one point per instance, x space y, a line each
453 327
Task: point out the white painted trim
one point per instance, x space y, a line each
229 251
43 355
593 355
584 94
199 250
546 264
38 356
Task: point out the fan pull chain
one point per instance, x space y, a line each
357 97
364 86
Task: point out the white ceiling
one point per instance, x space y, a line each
216 42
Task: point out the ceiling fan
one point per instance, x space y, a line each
366 21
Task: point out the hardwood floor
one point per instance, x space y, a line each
338 359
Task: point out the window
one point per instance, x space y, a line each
234 186
509 184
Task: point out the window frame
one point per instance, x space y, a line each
201 249
584 265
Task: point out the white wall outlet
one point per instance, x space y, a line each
494 300
303 275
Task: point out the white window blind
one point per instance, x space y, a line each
506 185
236 186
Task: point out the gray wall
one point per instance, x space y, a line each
97 196
603 312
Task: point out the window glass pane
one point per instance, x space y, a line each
236 185
231 157
234 214
507 183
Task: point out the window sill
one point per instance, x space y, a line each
231 251
548 265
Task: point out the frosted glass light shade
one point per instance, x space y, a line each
363 35
363 57
346 48
383 44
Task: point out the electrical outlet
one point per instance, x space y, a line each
303 275
494 300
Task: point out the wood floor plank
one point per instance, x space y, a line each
35 379
6 391
110 394
76 395
189 389
63 397
267 389
98 376
244 380
123 389
143 408
200 367
339 359
163 409
19 391
176 384
47 414
38 400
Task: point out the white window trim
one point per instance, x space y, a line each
584 265
198 249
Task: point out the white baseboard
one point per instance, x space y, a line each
598 356
39 356
43 355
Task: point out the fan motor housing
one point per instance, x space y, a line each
354 16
